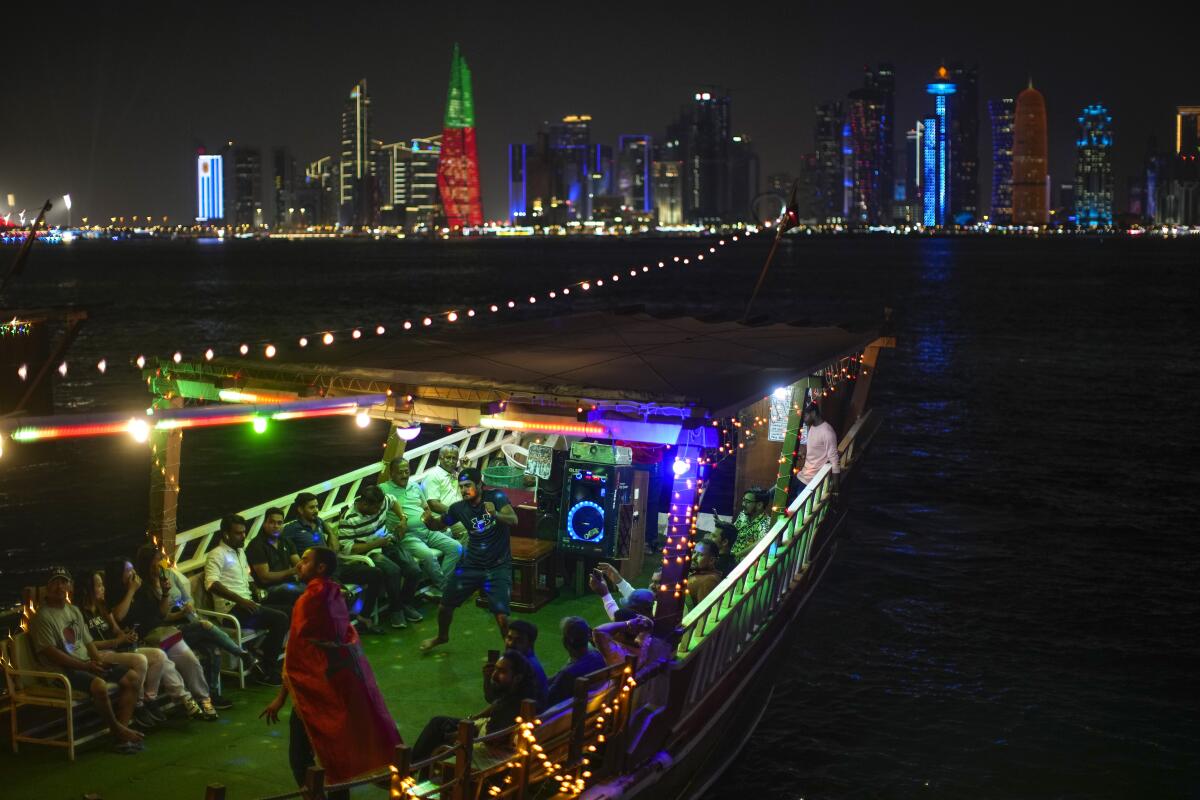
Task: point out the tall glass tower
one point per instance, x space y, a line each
1093 169
1003 115
936 159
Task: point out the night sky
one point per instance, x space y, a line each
111 106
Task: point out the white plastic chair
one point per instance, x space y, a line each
516 455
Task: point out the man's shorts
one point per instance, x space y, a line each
495 584
81 680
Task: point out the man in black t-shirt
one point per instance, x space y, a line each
486 566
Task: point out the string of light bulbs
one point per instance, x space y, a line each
269 348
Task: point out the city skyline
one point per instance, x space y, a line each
125 106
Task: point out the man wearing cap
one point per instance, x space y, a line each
62 644
640 601
486 566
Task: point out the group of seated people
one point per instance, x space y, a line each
134 623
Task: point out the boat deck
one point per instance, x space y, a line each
249 758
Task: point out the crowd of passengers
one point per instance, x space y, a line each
134 623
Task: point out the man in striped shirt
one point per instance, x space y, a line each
363 532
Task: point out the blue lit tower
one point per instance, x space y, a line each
936 158
1093 169
1003 115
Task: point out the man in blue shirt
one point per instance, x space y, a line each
486 566
582 660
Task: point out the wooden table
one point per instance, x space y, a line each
533 574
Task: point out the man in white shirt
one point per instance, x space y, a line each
822 448
441 487
227 579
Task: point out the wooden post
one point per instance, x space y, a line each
677 550
314 784
579 703
787 449
214 791
401 767
528 714
862 385
464 748
165 447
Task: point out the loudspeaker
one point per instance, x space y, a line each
591 500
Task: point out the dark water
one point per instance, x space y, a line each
1014 610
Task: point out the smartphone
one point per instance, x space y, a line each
493 656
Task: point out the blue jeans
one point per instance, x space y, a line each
208 640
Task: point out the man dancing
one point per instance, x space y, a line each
487 564
338 711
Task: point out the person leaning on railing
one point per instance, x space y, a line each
821 449
704 576
581 660
512 680
753 522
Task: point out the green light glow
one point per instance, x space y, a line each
260 424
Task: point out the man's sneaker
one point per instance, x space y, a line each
142 718
396 619
220 702
207 712
411 614
249 662
269 679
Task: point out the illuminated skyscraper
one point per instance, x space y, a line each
210 189
1180 202
827 146
283 186
1002 114
703 131
964 144
358 187
667 174
1093 169
1030 203
458 169
936 156
869 113
635 154
243 186
744 178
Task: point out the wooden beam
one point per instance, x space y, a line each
862 385
165 449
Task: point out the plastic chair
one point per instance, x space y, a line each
516 455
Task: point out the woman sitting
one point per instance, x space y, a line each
119 646
145 603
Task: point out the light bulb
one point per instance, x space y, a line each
327 339
362 419
269 351
139 429
208 354
356 334
102 365
259 424
244 349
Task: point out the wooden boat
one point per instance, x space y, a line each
664 729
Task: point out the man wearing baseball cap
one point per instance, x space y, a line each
486 566
63 644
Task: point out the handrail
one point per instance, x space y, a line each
192 545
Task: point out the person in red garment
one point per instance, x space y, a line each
338 711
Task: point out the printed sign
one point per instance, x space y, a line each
540 460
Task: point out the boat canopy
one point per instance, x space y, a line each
635 362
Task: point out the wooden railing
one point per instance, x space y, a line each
477 445
719 629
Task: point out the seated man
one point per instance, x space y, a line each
582 660
62 644
419 543
441 489
753 522
363 532
640 601
521 636
633 635
309 530
227 579
273 563
704 576
724 537
511 681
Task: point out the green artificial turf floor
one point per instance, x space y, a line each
249 758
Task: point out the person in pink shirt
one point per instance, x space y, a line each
822 448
